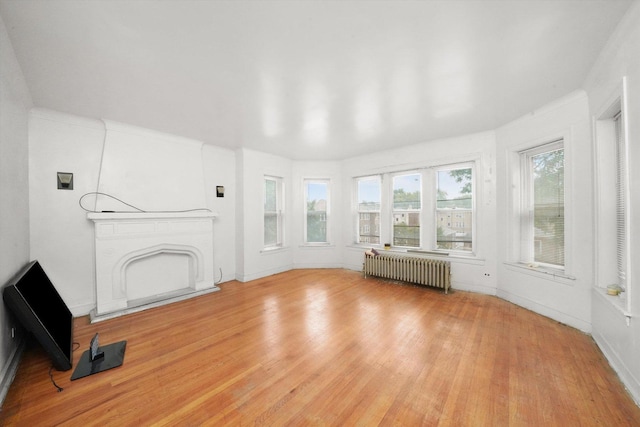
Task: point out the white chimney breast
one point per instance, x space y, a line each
150 170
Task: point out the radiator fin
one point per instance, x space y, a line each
423 271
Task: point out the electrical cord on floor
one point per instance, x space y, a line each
76 345
53 381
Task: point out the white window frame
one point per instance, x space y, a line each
612 243
326 182
402 212
428 226
358 212
455 166
279 212
527 247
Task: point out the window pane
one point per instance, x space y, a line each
406 229
407 202
273 193
369 194
369 228
270 229
317 196
454 189
269 195
406 192
454 209
548 212
621 201
369 198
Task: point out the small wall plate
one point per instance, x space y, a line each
65 181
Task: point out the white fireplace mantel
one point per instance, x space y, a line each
123 239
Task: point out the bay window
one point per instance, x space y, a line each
392 207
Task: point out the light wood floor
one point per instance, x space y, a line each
328 347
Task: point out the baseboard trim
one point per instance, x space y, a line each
310 265
151 303
265 273
545 311
82 309
470 287
630 382
10 369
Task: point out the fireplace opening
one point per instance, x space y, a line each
160 275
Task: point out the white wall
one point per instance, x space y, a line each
618 335
476 273
15 102
251 259
62 236
156 171
252 262
220 169
566 299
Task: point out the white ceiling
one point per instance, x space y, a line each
307 79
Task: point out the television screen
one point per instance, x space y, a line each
36 304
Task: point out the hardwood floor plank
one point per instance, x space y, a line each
328 347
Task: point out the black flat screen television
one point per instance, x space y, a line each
36 304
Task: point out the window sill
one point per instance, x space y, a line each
274 249
316 246
616 301
453 257
544 272
466 259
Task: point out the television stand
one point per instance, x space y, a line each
98 359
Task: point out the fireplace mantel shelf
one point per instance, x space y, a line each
114 216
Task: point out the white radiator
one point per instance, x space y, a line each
423 271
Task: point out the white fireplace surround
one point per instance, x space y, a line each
123 239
